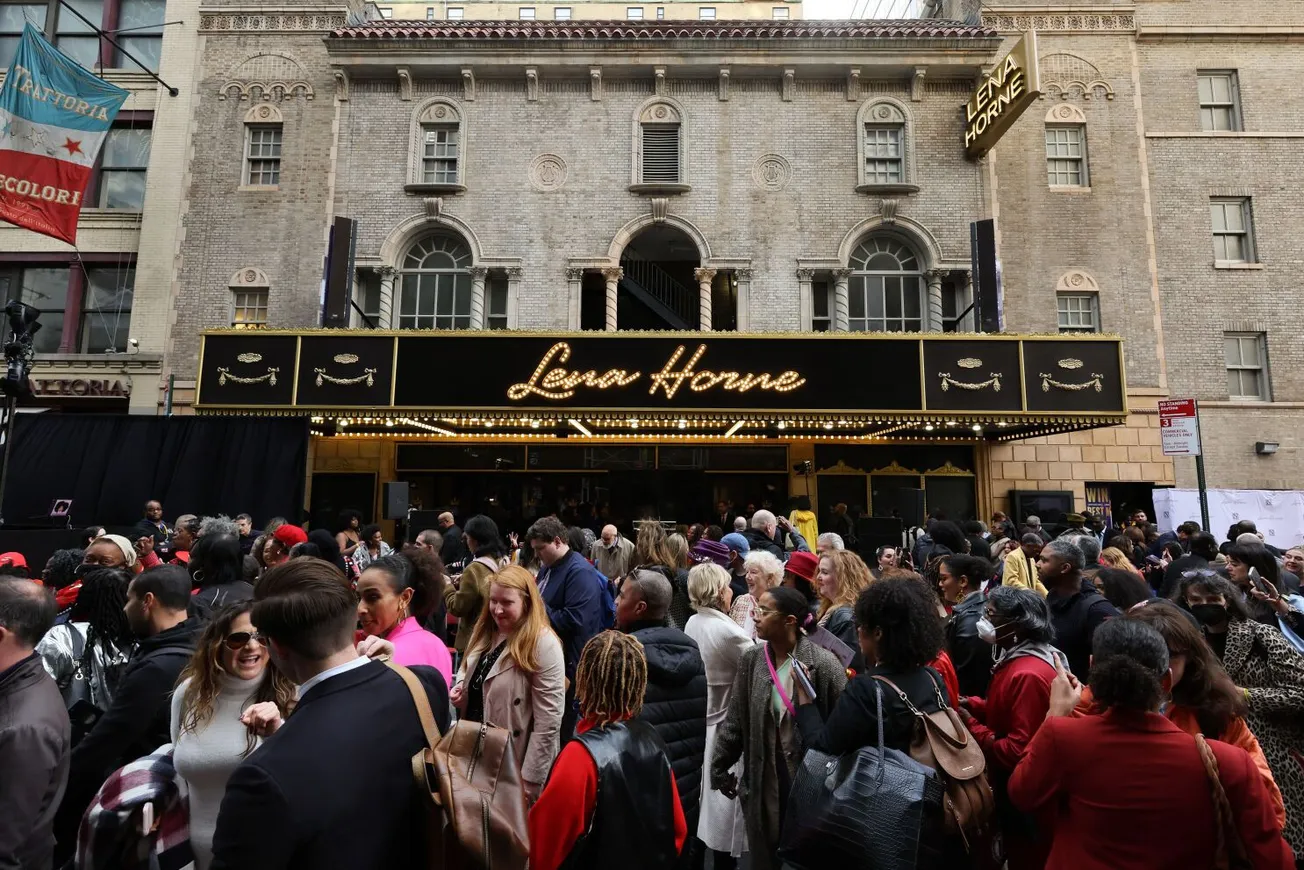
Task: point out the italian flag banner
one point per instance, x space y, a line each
54 115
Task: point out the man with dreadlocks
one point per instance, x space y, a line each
639 824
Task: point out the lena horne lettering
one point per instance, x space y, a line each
552 381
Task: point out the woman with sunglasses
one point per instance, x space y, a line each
229 672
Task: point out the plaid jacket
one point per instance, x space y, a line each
110 837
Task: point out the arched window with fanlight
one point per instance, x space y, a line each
435 284
886 289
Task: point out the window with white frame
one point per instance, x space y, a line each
1233 242
883 125
430 13
495 307
456 13
386 11
1220 105
661 13
435 284
660 144
263 155
706 13
1077 312
1066 155
526 13
1247 365
821 298
124 161
439 154
633 13
249 307
561 13
779 13
886 289
438 140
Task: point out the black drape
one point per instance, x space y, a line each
111 465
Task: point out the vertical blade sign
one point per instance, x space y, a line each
54 115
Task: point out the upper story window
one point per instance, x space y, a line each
435 284
1220 104
659 144
386 11
822 305
249 292
136 25
1066 156
526 13
1247 365
1077 312
264 128
437 144
124 162
634 13
779 13
661 13
706 13
1233 239
430 13
886 288
85 308
561 13
884 146
455 13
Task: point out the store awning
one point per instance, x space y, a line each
854 385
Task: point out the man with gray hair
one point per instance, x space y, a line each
1076 608
611 554
761 535
675 701
1089 544
740 524
828 542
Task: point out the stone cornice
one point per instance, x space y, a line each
1222 33
271 19
1019 19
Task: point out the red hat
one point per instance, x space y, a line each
14 559
803 565
290 535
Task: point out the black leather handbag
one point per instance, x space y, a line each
874 809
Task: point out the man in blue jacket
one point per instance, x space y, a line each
577 596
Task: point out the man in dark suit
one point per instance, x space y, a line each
332 789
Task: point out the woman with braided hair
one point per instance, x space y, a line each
1109 783
93 646
639 825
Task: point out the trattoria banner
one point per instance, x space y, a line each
54 115
706 373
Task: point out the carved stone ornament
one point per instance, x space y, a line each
574 274
434 206
1066 76
548 173
659 113
249 277
1076 281
595 83
853 85
341 85
404 83
532 84
917 84
267 76
264 113
743 275
789 85
771 172
947 382
805 276
1065 113
888 210
468 84
659 81
1077 22
660 208
724 83
240 22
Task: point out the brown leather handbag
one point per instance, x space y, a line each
474 793
941 742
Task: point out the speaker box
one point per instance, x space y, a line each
989 302
339 274
396 500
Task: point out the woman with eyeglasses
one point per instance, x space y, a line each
229 672
1268 672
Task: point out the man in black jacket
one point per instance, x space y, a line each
675 701
137 722
761 535
452 550
34 730
152 525
1076 608
333 789
1202 549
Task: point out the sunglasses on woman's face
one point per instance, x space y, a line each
240 639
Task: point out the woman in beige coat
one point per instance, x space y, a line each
513 676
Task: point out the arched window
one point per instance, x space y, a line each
659 147
435 282
886 289
886 147
437 149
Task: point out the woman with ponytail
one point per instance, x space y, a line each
1109 783
760 726
395 594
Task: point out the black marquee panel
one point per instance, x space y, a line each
651 373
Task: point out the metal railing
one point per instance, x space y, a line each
673 300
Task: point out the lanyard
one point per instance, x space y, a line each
783 696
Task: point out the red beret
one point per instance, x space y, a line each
803 565
290 535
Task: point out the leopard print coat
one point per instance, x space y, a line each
1260 659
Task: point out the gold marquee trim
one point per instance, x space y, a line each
947 469
895 468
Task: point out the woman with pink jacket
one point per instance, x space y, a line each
395 595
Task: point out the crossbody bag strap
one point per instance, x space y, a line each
778 686
421 701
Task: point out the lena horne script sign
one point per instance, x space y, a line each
1001 97
552 380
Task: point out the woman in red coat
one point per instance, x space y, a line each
1017 623
1115 782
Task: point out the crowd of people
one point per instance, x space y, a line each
663 697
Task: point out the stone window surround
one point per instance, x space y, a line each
886 111
261 115
246 279
646 114
429 113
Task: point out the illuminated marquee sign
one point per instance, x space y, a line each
641 374
1002 97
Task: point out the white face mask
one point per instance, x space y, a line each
986 630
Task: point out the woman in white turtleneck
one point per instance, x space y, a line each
229 672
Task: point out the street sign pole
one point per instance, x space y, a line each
1199 473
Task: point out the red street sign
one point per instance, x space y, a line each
1179 427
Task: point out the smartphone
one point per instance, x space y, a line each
799 674
1154 560
1261 584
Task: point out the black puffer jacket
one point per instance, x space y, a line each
675 705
